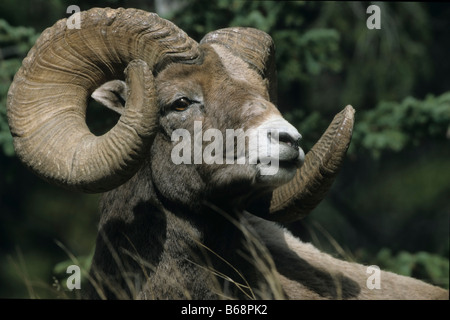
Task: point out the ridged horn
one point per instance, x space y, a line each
253 46
48 98
301 195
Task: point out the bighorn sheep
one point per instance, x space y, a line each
201 231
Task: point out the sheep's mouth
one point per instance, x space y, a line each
295 158
276 171
291 163
287 156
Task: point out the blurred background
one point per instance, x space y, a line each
390 204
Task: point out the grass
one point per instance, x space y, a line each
56 288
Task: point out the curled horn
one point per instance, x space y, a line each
47 100
297 198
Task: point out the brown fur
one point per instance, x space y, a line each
307 273
169 231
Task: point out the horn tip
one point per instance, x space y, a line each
349 111
347 117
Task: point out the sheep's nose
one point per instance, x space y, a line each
290 138
287 138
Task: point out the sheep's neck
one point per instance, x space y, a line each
211 241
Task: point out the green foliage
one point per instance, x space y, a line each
302 51
386 64
394 126
14 45
422 265
306 55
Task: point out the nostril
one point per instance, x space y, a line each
289 139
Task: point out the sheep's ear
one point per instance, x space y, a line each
112 94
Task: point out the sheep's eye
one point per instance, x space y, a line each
181 104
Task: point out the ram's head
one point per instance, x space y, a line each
227 81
